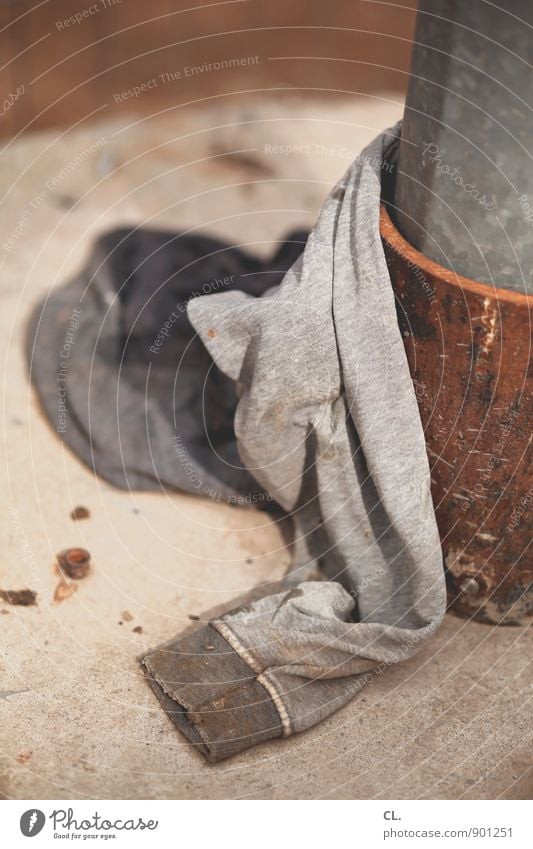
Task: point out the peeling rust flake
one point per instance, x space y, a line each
489 322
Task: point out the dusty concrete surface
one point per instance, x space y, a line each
453 723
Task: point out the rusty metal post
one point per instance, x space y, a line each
457 229
464 190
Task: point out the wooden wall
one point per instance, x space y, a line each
75 70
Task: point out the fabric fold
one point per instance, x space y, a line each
327 421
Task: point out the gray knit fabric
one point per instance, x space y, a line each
327 423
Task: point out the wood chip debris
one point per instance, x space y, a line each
24 598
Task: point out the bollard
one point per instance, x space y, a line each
469 349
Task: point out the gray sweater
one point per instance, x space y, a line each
327 423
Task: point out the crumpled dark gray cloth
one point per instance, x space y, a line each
327 423
124 379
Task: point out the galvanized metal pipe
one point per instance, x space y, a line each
464 187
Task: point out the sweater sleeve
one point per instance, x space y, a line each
271 668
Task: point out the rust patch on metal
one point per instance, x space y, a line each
477 411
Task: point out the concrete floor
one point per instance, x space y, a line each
453 723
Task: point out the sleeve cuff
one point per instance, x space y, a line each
211 694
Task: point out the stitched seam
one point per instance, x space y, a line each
251 661
237 646
278 701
